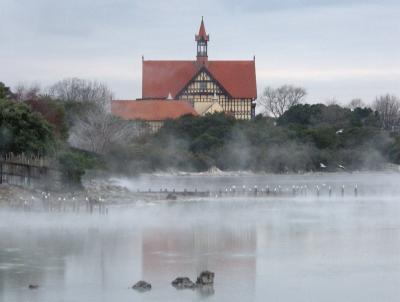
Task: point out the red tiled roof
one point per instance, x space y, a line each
151 110
237 77
160 78
163 77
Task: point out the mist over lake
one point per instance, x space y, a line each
293 248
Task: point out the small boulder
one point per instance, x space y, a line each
205 278
183 283
171 196
33 286
142 286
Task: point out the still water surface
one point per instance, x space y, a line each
266 249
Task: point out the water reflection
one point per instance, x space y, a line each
341 250
172 252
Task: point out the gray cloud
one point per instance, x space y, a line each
335 48
273 5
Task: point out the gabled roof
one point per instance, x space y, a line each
160 78
163 77
237 77
151 110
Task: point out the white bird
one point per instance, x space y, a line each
340 166
322 165
339 131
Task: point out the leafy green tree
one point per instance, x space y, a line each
73 163
54 112
5 92
22 130
301 114
393 151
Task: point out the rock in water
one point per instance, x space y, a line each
171 196
33 286
205 278
183 283
142 286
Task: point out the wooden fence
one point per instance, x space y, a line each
29 171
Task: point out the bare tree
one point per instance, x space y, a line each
356 103
97 130
276 101
93 127
388 107
83 91
25 93
331 102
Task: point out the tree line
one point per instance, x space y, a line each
289 136
71 121
276 101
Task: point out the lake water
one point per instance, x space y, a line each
265 249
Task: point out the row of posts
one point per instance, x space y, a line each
279 191
62 204
255 191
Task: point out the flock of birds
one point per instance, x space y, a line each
294 190
57 201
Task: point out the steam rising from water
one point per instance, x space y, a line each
301 248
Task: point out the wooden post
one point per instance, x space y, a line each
29 176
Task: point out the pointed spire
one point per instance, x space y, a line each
202 32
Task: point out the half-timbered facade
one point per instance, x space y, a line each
196 87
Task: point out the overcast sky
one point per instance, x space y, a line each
339 49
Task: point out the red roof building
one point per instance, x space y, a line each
151 110
151 114
237 78
230 83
